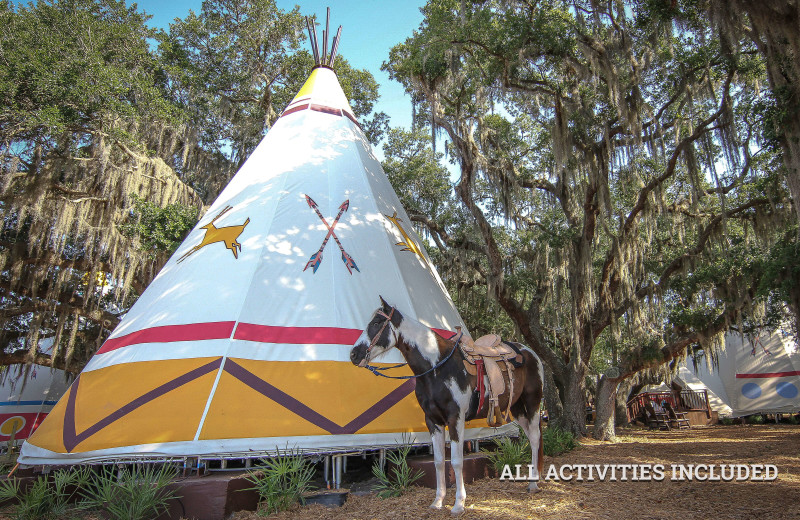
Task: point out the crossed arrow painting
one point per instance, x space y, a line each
316 258
229 236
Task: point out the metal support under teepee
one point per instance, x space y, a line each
323 58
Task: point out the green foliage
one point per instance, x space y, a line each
608 196
159 230
130 494
558 441
400 476
9 489
416 173
509 452
76 64
282 481
755 419
37 502
781 268
137 493
727 421
49 497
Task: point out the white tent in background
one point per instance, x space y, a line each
762 376
27 394
688 380
241 344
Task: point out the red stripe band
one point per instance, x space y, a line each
769 374
170 333
321 108
325 109
296 335
294 109
351 117
244 331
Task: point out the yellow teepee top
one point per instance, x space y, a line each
323 93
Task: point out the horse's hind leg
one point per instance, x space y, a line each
532 430
457 461
437 437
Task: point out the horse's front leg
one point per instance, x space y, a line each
457 461
437 437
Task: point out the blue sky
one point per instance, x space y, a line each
370 29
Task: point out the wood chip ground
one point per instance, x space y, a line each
668 500
673 500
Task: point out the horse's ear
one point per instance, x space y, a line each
386 306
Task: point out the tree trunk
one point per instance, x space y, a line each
572 397
791 159
621 403
552 401
775 26
606 407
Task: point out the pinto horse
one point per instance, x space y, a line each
446 391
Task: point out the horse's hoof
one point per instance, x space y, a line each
436 505
457 509
533 488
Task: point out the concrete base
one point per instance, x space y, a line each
476 466
213 497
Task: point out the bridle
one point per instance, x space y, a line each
376 337
377 370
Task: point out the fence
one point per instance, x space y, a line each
682 401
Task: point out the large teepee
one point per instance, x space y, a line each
240 345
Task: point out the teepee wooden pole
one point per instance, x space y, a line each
312 37
335 47
325 34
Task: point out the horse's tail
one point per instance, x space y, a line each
540 455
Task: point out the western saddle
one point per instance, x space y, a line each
490 356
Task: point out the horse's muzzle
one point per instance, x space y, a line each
358 355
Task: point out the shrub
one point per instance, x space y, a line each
558 441
508 451
727 421
400 476
46 499
792 420
755 419
9 488
130 494
281 482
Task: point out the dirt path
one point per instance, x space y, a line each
667 499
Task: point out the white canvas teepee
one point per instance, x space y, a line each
241 344
762 376
687 379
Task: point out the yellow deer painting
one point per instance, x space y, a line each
409 244
228 235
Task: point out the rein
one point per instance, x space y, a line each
378 370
